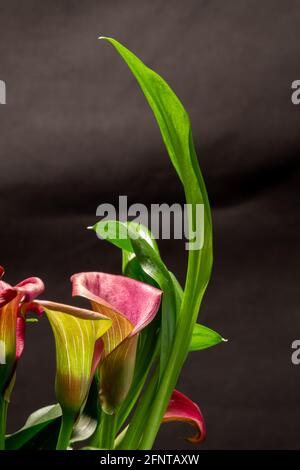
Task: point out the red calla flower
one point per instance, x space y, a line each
181 408
12 326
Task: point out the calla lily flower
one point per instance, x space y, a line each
181 408
79 346
131 305
12 327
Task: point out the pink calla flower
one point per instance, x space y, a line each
181 408
131 305
12 326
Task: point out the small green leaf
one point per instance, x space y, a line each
204 338
35 423
43 415
42 428
141 243
84 428
115 232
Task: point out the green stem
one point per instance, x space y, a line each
134 433
136 388
190 304
105 433
95 437
110 423
66 429
3 416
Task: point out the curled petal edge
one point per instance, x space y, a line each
39 306
136 301
181 408
30 288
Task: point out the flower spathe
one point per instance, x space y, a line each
181 408
131 305
79 346
12 326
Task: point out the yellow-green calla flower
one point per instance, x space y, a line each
78 342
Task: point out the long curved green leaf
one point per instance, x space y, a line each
175 128
173 121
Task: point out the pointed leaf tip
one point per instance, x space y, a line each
204 337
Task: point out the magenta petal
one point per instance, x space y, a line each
31 288
12 325
1 271
181 408
137 301
7 293
98 350
31 307
20 336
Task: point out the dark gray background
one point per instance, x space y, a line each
76 132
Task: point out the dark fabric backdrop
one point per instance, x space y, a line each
76 132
